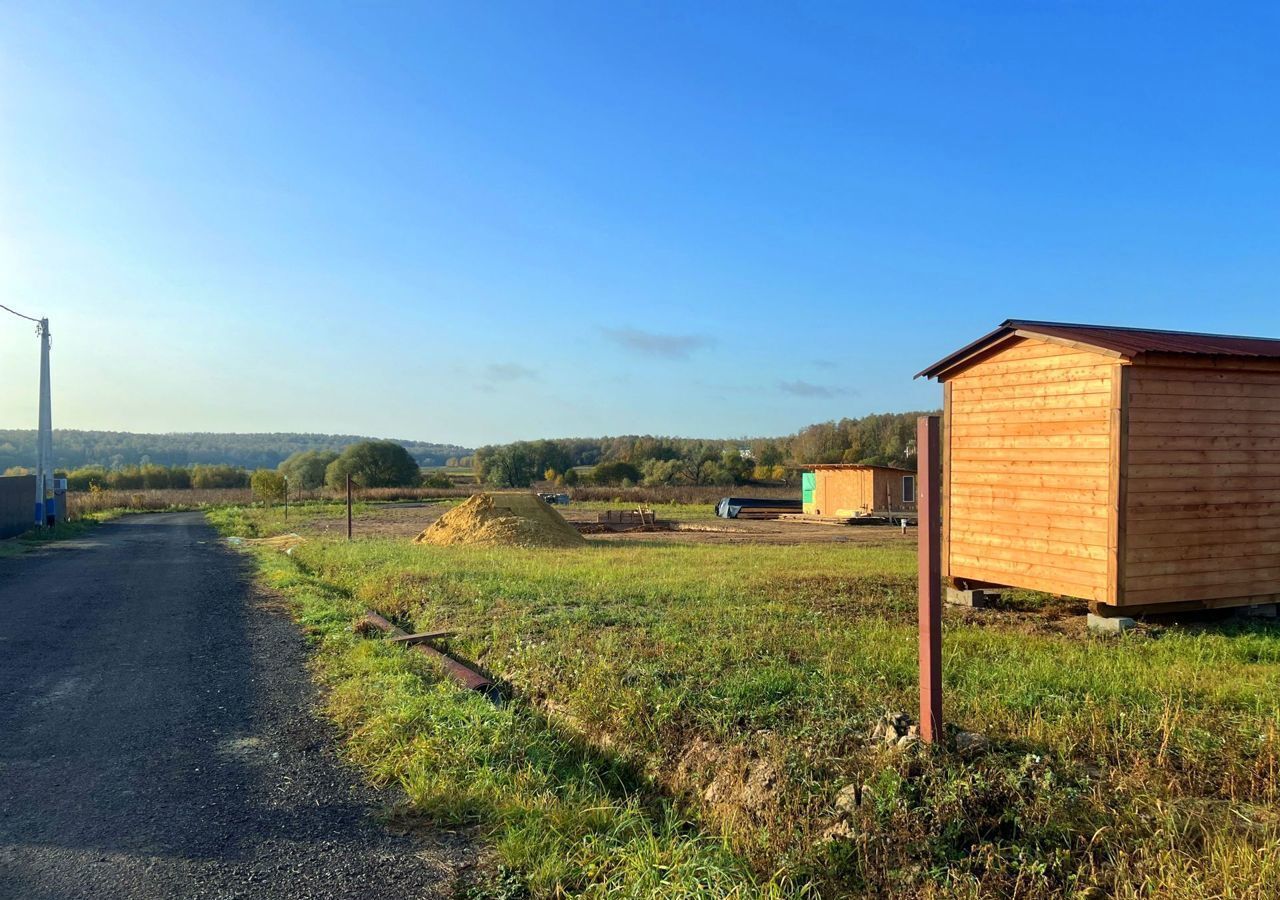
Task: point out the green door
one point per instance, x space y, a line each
807 481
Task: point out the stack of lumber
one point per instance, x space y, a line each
638 516
817 520
756 507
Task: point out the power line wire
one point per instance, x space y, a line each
18 314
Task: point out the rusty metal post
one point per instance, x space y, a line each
929 494
348 506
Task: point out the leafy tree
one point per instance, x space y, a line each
267 484
512 465
219 477
616 472
155 477
374 464
127 478
84 478
437 480
666 471
305 469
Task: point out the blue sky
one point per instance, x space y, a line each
481 222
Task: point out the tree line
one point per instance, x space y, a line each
883 439
116 450
369 463
877 439
151 477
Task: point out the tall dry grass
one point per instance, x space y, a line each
81 504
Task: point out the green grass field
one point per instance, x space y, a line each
682 720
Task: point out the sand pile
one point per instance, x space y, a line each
285 542
516 519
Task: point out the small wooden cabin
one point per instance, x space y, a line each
1136 469
848 490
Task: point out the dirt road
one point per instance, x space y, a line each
158 739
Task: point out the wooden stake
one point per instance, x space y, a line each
928 493
348 506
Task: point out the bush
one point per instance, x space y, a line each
437 480
155 478
268 485
374 464
86 477
205 477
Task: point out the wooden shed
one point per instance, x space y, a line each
1136 469
850 490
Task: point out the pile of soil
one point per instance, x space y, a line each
516 519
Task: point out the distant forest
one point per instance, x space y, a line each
885 439
74 449
880 439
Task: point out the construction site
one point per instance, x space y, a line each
577 451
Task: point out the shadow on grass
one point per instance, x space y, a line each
40 537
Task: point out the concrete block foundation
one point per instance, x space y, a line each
1261 611
1110 625
977 599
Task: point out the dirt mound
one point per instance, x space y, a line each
516 519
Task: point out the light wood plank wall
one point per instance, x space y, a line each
1028 461
1202 506
844 491
837 489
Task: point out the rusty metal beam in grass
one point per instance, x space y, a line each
467 677
928 450
374 619
420 637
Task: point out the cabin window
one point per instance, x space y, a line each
908 489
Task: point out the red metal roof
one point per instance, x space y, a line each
829 466
1115 341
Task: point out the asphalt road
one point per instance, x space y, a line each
158 736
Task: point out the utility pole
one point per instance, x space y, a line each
44 437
